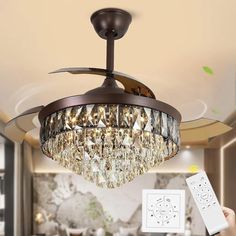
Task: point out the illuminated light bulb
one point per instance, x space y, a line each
193 169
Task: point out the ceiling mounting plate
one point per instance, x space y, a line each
111 20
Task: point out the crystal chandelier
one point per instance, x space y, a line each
110 134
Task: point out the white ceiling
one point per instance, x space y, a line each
168 43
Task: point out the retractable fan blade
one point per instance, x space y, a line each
17 128
130 84
202 129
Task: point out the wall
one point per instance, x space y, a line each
61 192
61 199
178 164
8 163
2 156
19 220
220 166
230 176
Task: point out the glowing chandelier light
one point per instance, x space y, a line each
110 134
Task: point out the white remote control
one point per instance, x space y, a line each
163 211
207 203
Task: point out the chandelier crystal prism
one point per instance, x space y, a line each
109 135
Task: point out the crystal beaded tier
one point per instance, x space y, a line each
109 144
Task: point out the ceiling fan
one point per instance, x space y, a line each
110 134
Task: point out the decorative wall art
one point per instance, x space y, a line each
66 201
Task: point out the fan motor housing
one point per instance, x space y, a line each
111 20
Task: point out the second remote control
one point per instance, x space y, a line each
207 203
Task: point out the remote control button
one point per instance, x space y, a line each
167 205
163 211
151 207
204 196
159 200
